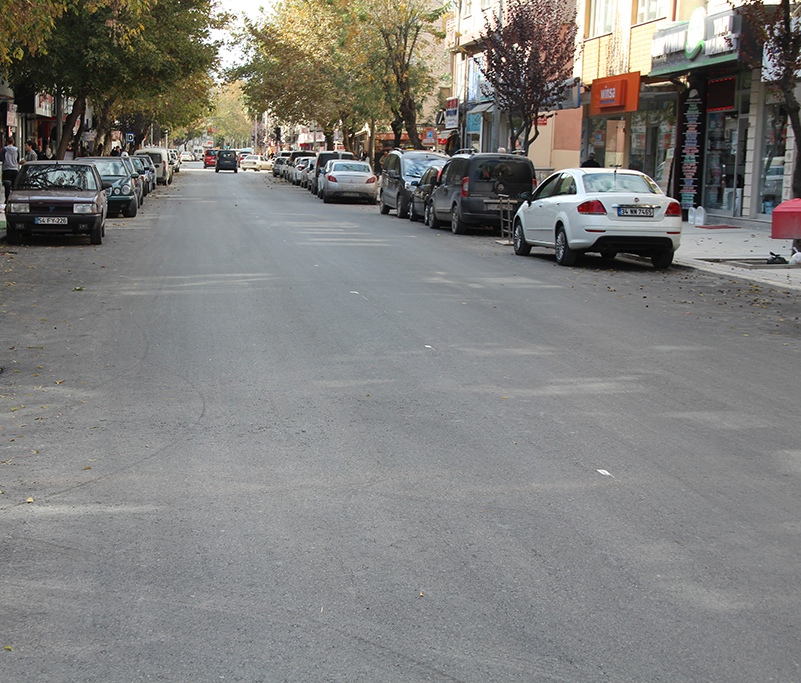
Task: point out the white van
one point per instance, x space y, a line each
161 159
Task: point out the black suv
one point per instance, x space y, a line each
400 173
226 161
470 185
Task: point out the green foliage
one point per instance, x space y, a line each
339 61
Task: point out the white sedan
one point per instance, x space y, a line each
255 162
348 178
603 210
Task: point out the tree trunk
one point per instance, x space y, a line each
397 128
78 107
408 112
328 132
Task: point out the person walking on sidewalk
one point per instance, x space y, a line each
30 151
10 160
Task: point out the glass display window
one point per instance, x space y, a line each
771 168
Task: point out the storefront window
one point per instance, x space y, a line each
721 178
774 134
652 144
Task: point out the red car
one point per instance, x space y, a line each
210 158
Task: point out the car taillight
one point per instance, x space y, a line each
465 187
331 179
533 184
592 207
371 179
674 209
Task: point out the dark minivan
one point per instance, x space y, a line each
470 186
226 161
400 173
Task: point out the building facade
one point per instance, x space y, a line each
670 90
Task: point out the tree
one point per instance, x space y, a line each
116 56
528 61
26 24
405 28
777 29
231 119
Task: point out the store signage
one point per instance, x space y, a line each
44 105
452 112
702 41
693 112
11 115
615 95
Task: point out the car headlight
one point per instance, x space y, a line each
126 189
84 208
116 190
19 207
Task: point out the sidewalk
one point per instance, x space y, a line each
739 252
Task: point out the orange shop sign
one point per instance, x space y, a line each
615 94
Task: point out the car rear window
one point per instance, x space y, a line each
508 170
56 177
619 182
110 167
356 166
227 155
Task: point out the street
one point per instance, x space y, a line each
269 439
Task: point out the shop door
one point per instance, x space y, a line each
723 132
741 148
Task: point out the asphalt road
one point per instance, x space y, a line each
268 439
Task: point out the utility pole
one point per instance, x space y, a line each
496 114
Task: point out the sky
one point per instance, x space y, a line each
250 8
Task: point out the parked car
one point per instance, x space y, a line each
348 178
300 165
144 166
175 157
470 186
421 194
120 185
210 158
280 160
161 160
138 180
254 162
57 197
187 156
226 161
320 160
601 210
400 171
289 170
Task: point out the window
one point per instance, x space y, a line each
648 10
601 17
468 8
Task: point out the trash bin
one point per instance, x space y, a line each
786 220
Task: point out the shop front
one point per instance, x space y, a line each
714 115
632 125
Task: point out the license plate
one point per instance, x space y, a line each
51 220
637 211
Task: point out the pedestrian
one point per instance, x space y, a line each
590 162
69 155
30 151
48 152
10 162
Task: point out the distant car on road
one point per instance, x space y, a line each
210 158
254 162
187 156
226 161
57 197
